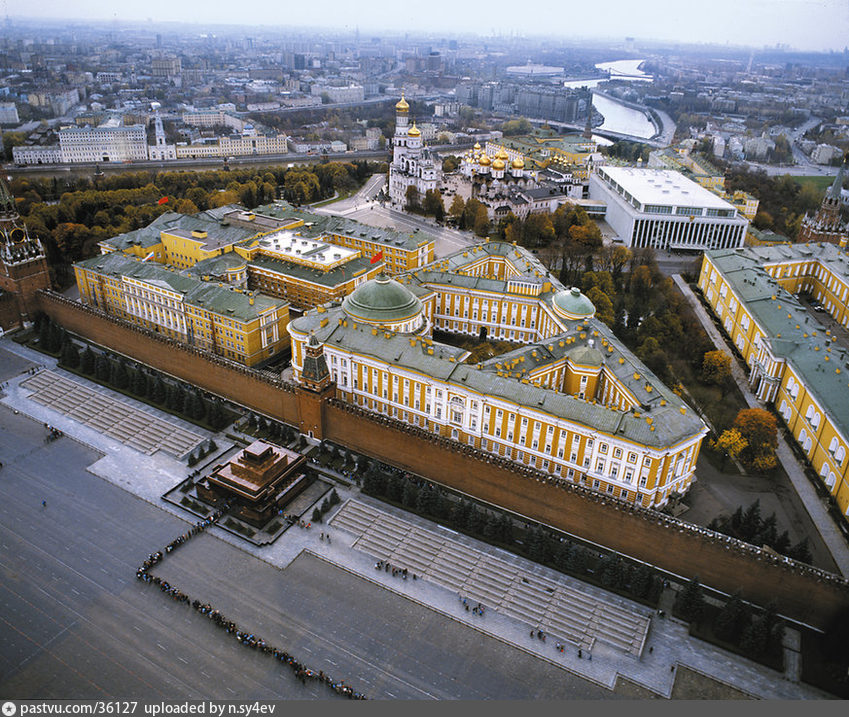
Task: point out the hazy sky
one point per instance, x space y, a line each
802 24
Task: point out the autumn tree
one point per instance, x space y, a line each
731 443
760 429
433 204
457 208
716 367
412 198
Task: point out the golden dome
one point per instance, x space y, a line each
518 163
414 131
477 145
485 160
502 154
498 164
402 106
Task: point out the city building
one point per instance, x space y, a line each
795 363
9 113
827 224
37 154
103 144
412 163
569 400
244 326
662 209
235 145
23 266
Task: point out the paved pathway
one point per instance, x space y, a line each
667 644
830 533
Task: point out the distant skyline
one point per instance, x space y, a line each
821 25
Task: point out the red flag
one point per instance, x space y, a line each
377 257
164 200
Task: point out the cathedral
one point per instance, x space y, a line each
826 225
23 266
412 163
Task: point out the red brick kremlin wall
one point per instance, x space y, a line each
806 594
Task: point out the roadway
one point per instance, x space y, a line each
78 625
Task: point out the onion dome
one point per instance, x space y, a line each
498 165
402 106
485 161
502 154
384 302
571 304
477 145
518 163
414 131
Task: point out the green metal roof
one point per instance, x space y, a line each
214 297
573 303
382 301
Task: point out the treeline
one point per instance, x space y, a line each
783 201
72 215
749 526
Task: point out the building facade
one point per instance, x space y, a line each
570 400
795 363
103 144
664 210
243 326
412 164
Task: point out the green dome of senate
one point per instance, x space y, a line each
382 301
572 304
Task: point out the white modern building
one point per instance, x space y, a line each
103 144
662 209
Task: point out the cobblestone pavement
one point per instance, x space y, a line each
668 647
830 533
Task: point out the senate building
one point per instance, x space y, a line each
569 400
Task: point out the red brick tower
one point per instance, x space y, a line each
826 225
23 266
316 385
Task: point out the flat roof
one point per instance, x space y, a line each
663 187
292 246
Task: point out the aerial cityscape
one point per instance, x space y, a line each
448 353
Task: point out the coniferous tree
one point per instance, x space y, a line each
505 529
70 355
334 497
491 528
578 560
88 361
782 543
751 522
120 375
641 580
801 552
316 515
103 372
394 489
138 383
730 620
216 415
157 391
690 603
756 637
459 513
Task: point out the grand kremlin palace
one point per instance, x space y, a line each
794 360
570 400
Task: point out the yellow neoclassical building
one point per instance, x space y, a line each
795 362
569 400
245 327
304 258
